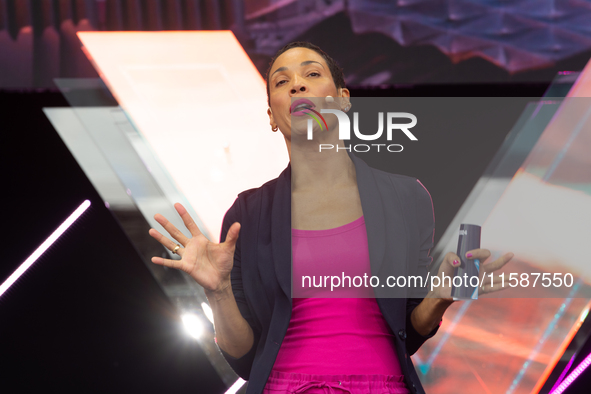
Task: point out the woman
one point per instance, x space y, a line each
313 345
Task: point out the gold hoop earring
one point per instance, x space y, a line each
275 128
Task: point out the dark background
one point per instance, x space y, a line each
87 316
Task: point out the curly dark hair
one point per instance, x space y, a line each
335 70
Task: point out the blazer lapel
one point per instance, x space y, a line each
387 240
281 231
373 213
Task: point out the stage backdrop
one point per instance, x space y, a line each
378 43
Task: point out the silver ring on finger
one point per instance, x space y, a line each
177 247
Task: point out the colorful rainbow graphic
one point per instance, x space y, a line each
315 118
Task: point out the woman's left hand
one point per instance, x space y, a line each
451 261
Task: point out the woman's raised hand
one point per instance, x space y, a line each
208 263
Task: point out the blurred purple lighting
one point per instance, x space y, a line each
573 375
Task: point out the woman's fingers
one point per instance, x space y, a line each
478 254
178 264
440 288
483 254
175 232
490 286
452 260
187 219
232 235
500 262
171 229
167 243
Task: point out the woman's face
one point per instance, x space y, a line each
298 72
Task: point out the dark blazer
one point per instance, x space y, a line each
399 219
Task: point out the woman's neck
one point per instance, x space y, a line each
321 170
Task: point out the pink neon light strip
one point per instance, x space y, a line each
561 377
44 246
573 375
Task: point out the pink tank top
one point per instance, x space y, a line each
336 336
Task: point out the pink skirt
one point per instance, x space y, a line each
296 383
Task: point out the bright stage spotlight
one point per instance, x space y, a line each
44 246
193 325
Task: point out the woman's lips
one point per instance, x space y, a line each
299 102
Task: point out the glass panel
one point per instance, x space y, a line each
135 186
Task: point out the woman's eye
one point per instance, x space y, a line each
280 82
314 74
